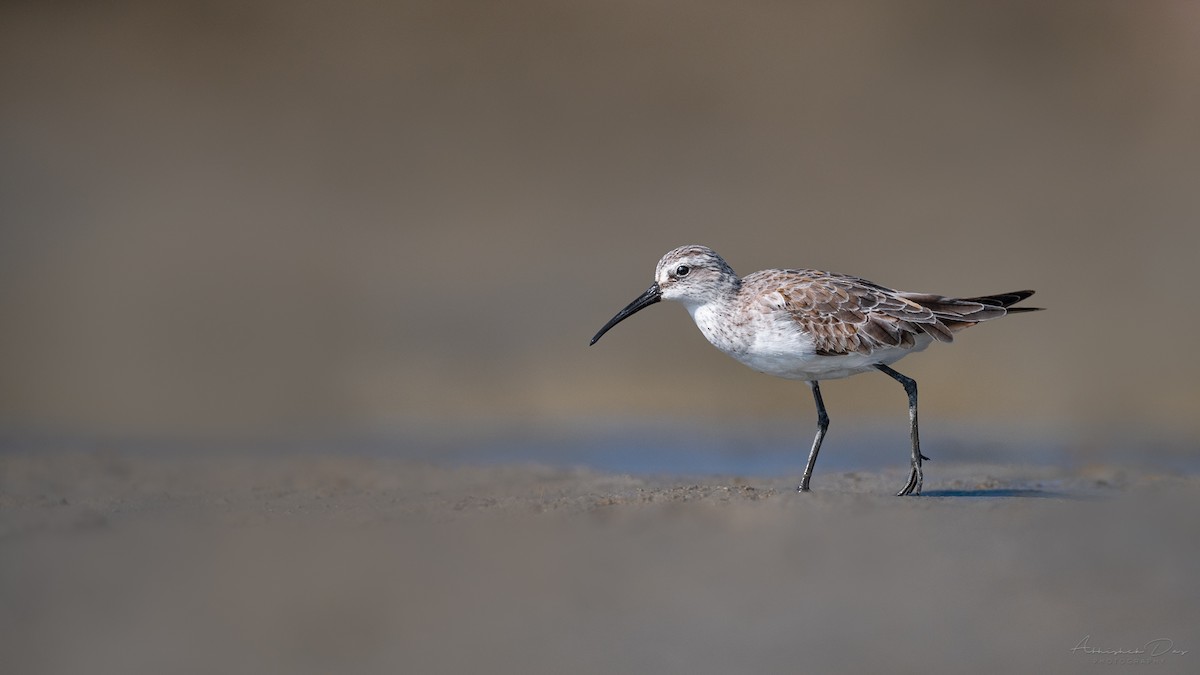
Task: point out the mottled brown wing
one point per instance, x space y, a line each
845 314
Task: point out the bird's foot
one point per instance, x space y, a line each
913 488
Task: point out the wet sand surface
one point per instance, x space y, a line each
137 563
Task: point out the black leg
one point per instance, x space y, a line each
822 426
910 388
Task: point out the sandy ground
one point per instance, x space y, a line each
115 563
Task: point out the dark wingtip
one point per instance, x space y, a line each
1007 300
1018 297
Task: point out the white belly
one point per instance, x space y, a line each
780 348
810 366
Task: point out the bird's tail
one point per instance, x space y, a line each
959 313
1006 300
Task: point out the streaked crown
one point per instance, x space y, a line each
694 275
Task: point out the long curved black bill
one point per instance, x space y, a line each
651 296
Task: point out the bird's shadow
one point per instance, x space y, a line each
997 493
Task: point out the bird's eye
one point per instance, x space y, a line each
682 271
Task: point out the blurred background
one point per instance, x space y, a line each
256 221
